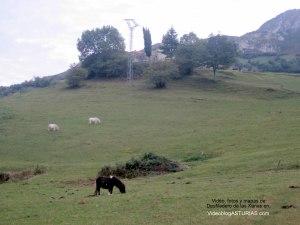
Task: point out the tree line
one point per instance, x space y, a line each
103 55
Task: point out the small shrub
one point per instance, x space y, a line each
106 171
4 177
149 163
158 81
39 170
75 76
159 73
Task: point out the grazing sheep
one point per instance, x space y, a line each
94 120
53 127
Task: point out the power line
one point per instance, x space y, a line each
131 25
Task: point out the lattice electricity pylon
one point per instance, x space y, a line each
131 25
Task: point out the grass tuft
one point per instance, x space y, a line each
197 157
39 170
6 113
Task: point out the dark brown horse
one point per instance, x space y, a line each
109 183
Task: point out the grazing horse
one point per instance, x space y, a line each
109 183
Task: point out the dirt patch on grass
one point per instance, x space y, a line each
80 182
281 165
15 176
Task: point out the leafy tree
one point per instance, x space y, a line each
190 53
103 52
190 38
147 41
100 41
220 51
75 76
108 65
169 43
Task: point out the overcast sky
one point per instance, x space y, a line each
38 37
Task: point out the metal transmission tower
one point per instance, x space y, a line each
131 25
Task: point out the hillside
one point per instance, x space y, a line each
247 123
279 35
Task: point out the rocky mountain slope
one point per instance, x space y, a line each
278 35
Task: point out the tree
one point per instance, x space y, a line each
108 65
220 51
190 38
147 41
75 76
190 53
100 41
169 43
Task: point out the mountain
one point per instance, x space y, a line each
280 35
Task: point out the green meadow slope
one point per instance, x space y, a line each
247 123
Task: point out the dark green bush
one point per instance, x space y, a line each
106 65
147 164
158 81
75 76
4 177
159 73
139 68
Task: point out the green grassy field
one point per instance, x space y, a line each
246 122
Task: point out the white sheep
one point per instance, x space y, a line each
53 127
94 120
